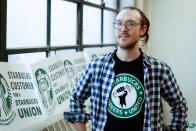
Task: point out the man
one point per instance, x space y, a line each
126 86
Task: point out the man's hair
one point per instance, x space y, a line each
144 21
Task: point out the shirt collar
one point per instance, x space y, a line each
146 58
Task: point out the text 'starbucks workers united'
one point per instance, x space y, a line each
7 114
127 96
46 90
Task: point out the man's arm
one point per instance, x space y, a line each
171 93
79 94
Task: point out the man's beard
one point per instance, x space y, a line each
127 46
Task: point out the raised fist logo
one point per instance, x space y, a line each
121 93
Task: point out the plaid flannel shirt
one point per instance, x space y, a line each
159 82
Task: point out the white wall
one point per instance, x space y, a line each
173 39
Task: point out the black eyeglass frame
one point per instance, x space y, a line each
128 25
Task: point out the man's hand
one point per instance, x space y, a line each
80 126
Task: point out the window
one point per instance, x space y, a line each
108 27
26 23
94 1
63 23
39 29
92 25
26 58
111 3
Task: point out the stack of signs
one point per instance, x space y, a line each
19 99
37 94
91 53
74 66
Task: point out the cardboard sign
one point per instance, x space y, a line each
38 93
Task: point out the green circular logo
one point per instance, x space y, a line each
126 97
70 72
45 89
7 115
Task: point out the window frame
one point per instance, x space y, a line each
4 52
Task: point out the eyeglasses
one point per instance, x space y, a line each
129 25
